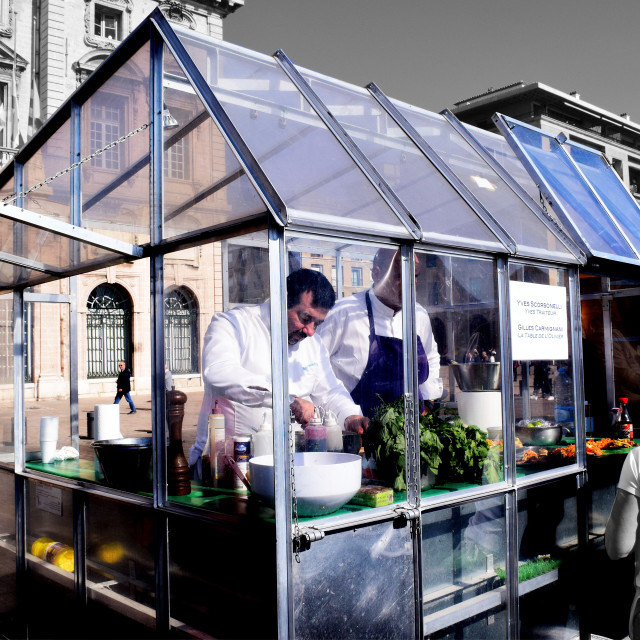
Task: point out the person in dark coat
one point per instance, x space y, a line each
123 384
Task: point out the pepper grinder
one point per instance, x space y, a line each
178 480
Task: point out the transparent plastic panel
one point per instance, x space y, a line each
460 295
50 555
499 148
357 585
218 325
544 396
9 600
115 132
549 563
606 183
7 438
443 215
302 159
120 563
464 555
208 593
530 234
204 184
52 199
580 204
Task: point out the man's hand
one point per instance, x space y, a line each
356 424
302 411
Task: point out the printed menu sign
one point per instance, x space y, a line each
538 321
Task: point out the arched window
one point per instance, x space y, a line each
108 330
181 331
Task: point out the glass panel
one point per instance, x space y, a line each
301 157
603 178
7 442
120 567
50 555
115 182
443 215
626 342
460 294
233 352
8 582
344 587
544 402
204 184
570 190
529 233
101 330
208 593
463 571
549 568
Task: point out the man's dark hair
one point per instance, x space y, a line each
304 280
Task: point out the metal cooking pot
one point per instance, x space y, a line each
477 376
126 462
547 435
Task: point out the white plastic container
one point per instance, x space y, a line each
262 441
334 433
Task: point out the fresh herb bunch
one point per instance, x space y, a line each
450 450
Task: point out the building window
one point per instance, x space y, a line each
107 23
108 331
5 114
356 276
177 155
106 126
181 331
318 267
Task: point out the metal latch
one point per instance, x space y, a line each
406 515
306 537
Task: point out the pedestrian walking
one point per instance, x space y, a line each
123 384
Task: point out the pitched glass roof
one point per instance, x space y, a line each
223 136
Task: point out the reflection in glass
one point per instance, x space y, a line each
463 570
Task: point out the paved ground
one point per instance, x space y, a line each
132 426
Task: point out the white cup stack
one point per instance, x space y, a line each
48 438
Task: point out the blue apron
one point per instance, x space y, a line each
382 379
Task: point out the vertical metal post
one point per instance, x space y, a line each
607 330
281 449
158 402
80 547
412 417
76 219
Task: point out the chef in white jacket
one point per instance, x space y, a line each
363 334
237 363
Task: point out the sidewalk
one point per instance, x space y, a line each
137 425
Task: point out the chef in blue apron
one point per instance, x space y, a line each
363 334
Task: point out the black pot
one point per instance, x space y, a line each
126 463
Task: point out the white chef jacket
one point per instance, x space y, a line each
237 355
345 332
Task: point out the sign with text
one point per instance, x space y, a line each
538 321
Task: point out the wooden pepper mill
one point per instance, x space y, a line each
178 480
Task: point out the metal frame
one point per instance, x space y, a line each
476 206
514 186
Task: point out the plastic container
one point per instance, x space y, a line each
315 435
625 425
219 447
563 392
334 433
262 441
205 461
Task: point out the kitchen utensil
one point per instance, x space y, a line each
125 462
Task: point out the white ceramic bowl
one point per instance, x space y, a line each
324 481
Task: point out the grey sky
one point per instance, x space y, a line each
433 53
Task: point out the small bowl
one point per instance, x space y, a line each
126 462
324 481
547 435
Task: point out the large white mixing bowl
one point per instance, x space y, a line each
324 481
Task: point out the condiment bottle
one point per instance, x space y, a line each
334 432
262 441
625 425
297 434
217 424
315 434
